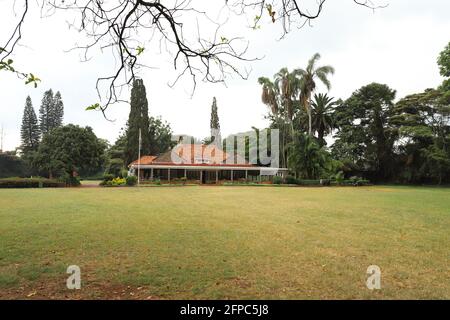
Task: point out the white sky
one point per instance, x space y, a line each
397 45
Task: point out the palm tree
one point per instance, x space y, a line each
306 157
308 83
322 108
289 87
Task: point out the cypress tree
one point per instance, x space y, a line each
214 124
138 119
29 131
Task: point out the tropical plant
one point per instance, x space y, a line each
322 112
308 79
307 158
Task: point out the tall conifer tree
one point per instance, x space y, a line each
214 124
45 112
58 111
51 112
138 119
29 131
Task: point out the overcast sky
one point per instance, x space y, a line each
397 45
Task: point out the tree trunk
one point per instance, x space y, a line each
309 121
320 136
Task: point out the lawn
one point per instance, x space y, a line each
225 242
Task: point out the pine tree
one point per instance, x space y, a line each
58 111
29 131
51 112
45 112
214 124
138 119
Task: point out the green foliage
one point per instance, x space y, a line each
70 149
138 120
160 135
339 177
29 131
69 180
307 158
214 123
322 113
277 180
12 166
365 138
291 180
108 177
444 61
31 78
131 180
306 182
51 112
30 183
95 106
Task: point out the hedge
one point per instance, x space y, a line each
30 183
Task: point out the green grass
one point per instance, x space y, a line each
225 242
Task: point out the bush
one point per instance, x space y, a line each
123 173
309 182
339 177
108 177
69 180
363 182
291 180
119 181
277 180
30 183
131 181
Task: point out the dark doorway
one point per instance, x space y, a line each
203 177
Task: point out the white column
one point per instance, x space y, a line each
232 175
168 175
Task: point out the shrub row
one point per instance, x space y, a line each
289 180
30 183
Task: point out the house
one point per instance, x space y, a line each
201 163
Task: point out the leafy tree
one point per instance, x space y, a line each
160 136
322 112
364 138
214 124
138 120
308 79
12 166
444 62
29 131
70 149
307 158
422 122
115 155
